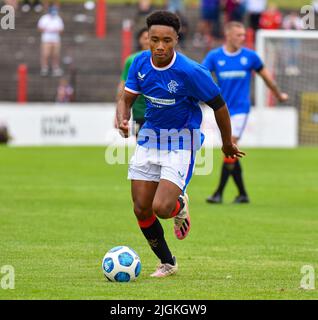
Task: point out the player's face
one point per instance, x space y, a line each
144 41
236 37
163 40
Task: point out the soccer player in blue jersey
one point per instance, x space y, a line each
233 65
162 165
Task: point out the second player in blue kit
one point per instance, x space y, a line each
233 65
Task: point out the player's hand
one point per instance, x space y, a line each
283 97
124 128
232 151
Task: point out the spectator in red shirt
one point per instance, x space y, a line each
271 18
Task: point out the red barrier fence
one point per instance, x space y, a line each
101 18
22 83
126 40
250 38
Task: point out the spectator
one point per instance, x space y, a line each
271 19
314 3
175 6
254 9
51 26
209 24
293 46
37 6
235 10
65 92
292 21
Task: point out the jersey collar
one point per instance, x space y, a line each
231 54
167 66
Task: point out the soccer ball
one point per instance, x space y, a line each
121 264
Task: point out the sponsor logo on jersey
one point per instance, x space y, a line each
221 63
232 74
160 103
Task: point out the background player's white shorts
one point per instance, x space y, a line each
152 165
238 123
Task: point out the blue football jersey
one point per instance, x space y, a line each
233 72
172 93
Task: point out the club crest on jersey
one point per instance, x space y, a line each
244 61
172 86
221 63
141 76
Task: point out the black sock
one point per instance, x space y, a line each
155 236
238 178
225 173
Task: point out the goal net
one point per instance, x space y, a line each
292 59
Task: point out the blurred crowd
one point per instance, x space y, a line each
255 14
206 34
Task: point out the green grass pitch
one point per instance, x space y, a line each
62 208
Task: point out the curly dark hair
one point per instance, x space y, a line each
164 18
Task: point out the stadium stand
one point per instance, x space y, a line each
95 64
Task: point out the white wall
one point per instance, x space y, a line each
92 124
266 127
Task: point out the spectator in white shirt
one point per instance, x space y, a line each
51 26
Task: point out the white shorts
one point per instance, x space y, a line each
152 165
238 123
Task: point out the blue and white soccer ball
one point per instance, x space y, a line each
121 264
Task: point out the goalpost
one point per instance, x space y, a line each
292 59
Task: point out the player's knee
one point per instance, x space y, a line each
141 212
162 209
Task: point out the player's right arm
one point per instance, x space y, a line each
121 85
123 112
263 72
127 99
266 76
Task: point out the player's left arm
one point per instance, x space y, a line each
223 121
266 76
203 88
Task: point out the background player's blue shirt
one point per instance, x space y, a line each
233 73
172 95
